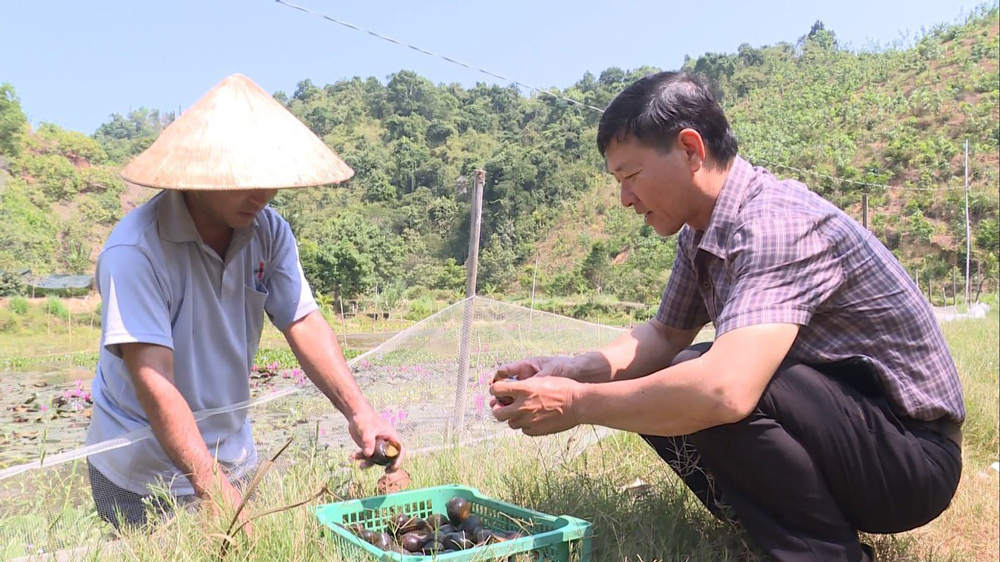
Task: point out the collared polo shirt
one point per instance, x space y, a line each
161 284
774 252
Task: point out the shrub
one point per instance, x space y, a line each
420 308
10 284
18 305
55 307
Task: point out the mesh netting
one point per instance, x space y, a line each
416 380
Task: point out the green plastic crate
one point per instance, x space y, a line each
552 538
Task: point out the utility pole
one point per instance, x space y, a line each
471 265
968 228
534 278
864 209
954 288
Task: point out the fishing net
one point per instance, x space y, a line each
417 380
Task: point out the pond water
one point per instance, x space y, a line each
47 405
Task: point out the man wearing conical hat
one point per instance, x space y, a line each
185 282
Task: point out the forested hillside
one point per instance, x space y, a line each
890 115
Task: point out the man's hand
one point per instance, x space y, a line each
541 405
225 496
368 427
537 366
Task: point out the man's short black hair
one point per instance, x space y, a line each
658 106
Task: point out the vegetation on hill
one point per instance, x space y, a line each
895 115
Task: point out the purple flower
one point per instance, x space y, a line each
480 403
393 416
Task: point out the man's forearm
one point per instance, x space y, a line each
643 350
175 429
678 401
719 387
318 351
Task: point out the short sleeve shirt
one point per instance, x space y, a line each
774 252
161 284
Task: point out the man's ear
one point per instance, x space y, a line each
690 141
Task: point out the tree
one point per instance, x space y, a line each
307 92
988 235
818 41
124 137
377 188
988 273
595 266
13 122
349 255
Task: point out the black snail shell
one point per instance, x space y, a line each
401 523
433 547
436 520
458 510
385 452
458 541
383 540
470 524
414 542
504 376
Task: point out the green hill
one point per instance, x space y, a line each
893 115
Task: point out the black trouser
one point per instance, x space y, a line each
821 458
124 509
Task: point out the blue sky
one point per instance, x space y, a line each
75 63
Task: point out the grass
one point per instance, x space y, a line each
973 345
664 523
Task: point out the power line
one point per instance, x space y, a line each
591 107
442 57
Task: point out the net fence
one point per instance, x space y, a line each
416 381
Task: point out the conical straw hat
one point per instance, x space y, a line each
236 137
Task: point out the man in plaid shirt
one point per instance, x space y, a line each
828 403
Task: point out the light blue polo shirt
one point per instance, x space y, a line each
161 284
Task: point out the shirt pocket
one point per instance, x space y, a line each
255 301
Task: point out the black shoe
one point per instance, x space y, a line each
867 553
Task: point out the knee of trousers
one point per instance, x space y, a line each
693 352
786 394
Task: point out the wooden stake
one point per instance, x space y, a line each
343 320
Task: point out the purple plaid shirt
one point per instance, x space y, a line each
774 252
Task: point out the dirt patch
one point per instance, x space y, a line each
133 196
